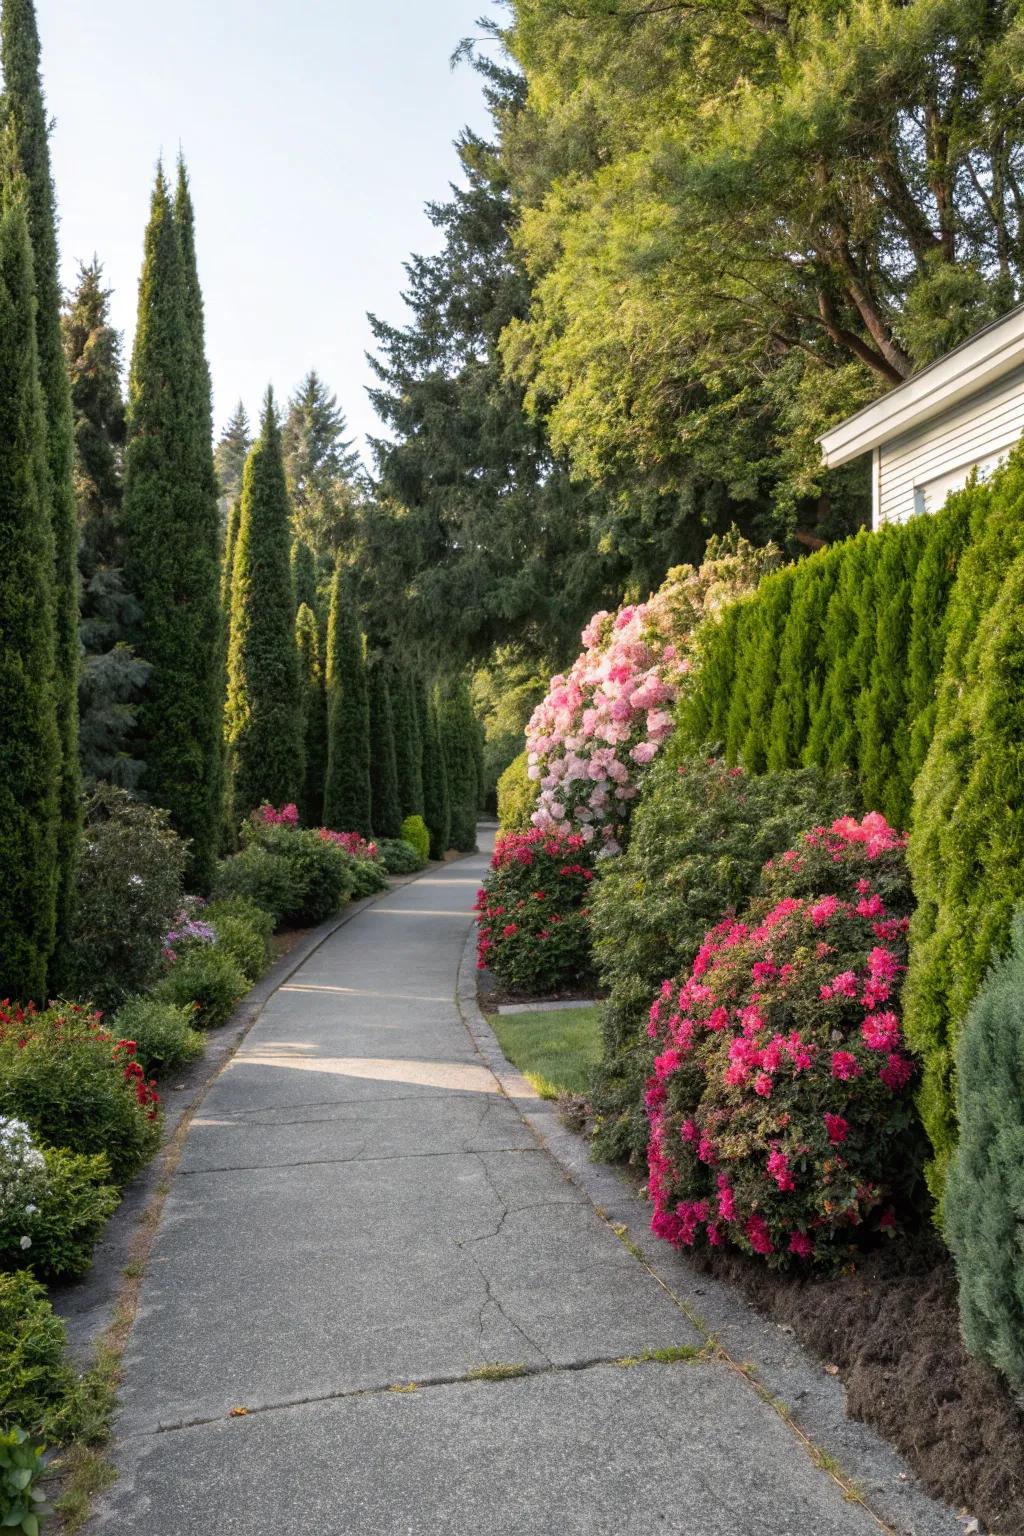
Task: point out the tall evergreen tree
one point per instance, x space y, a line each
25 112
170 523
408 747
29 739
304 575
229 459
458 732
385 812
436 808
112 676
314 715
347 785
323 470
263 716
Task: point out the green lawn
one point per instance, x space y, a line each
554 1050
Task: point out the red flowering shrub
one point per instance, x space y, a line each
532 911
780 1112
76 1085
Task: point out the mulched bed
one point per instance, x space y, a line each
491 994
891 1328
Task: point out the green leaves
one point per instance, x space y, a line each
21 1467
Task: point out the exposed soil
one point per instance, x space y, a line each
892 1330
491 993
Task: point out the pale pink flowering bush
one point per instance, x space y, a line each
266 815
780 1116
601 724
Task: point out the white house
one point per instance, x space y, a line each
964 412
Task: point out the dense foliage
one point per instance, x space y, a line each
701 833
532 911
347 784
459 734
780 1111
37 1385
53 1204
385 805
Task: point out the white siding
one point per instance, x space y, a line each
918 470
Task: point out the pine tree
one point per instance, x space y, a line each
29 739
170 524
408 747
347 784
25 113
314 715
436 809
323 470
229 459
458 732
263 715
112 677
385 813
985 1195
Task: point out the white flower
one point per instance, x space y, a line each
26 1242
31 1210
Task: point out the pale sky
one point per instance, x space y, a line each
314 132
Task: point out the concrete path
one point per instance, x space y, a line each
360 1225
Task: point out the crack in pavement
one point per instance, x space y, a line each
480 1376
316 1162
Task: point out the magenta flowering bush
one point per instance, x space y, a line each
532 912
600 726
780 1112
267 815
359 847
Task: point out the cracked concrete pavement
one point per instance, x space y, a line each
360 1221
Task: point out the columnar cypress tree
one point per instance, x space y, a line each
170 523
112 676
703 713
25 113
304 575
882 709
801 662
934 576
847 646
385 812
347 785
436 809
227 562
408 747
29 739
737 720
314 715
263 714
229 459
458 729
761 663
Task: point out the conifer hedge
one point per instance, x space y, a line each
347 782
314 716
408 746
385 811
436 808
459 738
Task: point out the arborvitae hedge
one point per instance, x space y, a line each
759 662
263 717
436 808
29 740
930 608
801 661
458 728
26 115
170 551
347 785
385 811
314 716
967 841
985 1195
304 575
832 735
408 749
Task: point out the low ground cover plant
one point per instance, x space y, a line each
780 1106
164 1034
533 932
77 1085
699 839
22 1501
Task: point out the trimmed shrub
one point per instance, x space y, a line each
301 876
129 889
76 1085
780 1108
759 663
207 978
985 1193
399 857
385 810
37 1386
163 1033
53 1205
347 782
968 824
367 872
532 911
699 839
932 586
245 940
261 877
414 832
437 809
517 795
408 746
801 661
314 713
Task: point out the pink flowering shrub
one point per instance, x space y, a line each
266 815
600 726
352 843
532 912
780 1110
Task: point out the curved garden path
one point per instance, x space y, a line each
360 1221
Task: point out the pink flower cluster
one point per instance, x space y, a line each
777 1107
351 842
603 722
267 816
